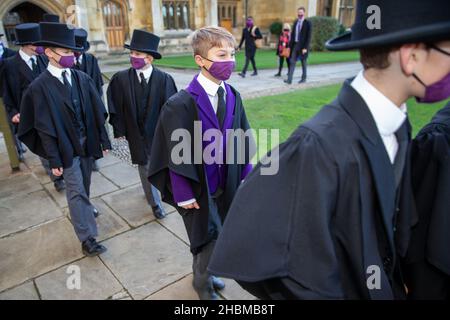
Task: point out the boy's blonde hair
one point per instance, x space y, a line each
206 38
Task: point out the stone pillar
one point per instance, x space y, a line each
211 13
158 23
312 8
82 14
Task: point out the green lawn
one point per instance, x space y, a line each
265 59
287 111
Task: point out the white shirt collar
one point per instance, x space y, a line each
57 72
388 117
210 87
25 57
147 73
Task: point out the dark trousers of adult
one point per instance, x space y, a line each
295 54
249 57
151 193
78 181
281 63
203 280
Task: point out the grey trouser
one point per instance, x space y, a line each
151 193
78 181
293 62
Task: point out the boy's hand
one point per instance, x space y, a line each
192 206
16 118
121 138
304 51
57 172
105 152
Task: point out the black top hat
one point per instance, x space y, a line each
58 35
400 22
48 17
27 33
81 39
144 41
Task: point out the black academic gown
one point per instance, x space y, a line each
47 109
124 109
89 65
431 182
312 230
181 111
7 53
18 77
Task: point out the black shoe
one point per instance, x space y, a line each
218 283
91 248
241 74
95 167
302 81
254 74
278 75
288 81
159 212
60 185
96 213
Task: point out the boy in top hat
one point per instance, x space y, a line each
49 17
62 120
87 62
20 71
342 206
202 191
427 267
135 98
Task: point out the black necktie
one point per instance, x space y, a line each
221 106
402 135
78 64
66 82
34 67
143 81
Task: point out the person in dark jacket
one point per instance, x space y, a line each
250 34
334 222
203 189
135 99
427 267
283 45
300 43
5 53
63 120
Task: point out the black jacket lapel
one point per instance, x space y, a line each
380 165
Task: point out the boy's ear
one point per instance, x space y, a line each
199 61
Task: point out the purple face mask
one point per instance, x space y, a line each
39 50
77 54
249 23
66 61
438 91
137 63
221 70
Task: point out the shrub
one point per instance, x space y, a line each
324 28
276 28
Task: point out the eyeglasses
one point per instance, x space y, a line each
439 49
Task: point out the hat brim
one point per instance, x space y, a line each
18 43
57 45
153 53
432 33
83 49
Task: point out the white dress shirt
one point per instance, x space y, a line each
211 89
28 59
388 117
147 73
57 73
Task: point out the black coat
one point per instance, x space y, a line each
181 111
47 109
319 220
7 53
250 45
431 182
89 65
123 109
305 35
18 77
